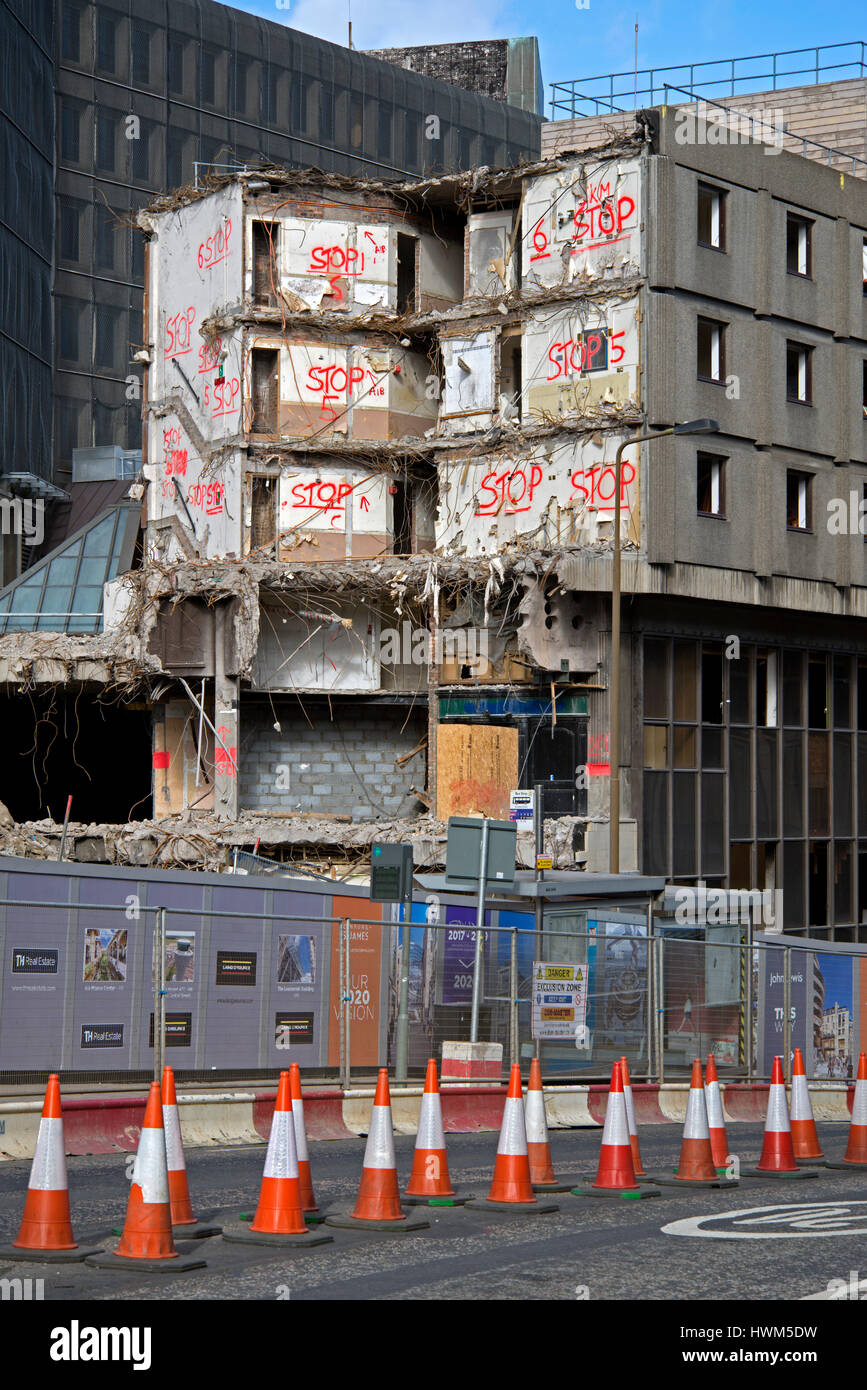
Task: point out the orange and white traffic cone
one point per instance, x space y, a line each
179 1191
696 1167
279 1219
45 1233
778 1155
719 1144
805 1140
511 1187
615 1175
542 1174
146 1242
630 1120
378 1205
856 1150
429 1179
308 1201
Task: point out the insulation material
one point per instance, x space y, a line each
581 357
477 768
350 506
468 396
309 653
583 221
559 493
489 235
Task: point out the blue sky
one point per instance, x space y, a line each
583 42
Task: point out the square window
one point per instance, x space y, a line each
710 480
711 350
799 246
711 217
71 33
799 373
799 500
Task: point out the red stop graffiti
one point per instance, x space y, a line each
510 491
597 486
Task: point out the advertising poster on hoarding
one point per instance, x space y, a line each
366 961
559 1001
771 987
618 958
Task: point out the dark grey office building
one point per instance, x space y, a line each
142 91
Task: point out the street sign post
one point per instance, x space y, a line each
391 870
480 851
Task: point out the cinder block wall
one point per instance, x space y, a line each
344 767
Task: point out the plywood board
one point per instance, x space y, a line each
477 767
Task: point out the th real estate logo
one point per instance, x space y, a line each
34 960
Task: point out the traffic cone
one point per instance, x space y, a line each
542 1174
805 1140
378 1205
45 1234
630 1120
429 1179
696 1167
856 1150
278 1219
511 1187
719 1144
778 1155
179 1192
308 1201
146 1242
615 1175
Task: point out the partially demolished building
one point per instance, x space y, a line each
379 430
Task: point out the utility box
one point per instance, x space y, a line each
464 847
391 870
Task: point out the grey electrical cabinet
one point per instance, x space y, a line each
463 851
391 870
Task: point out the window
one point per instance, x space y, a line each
270 79
711 350
141 53
68 311
70 122
141 165
411 129
266 377
799 500
799 373
864 388
70 39
300 90
799 246
207 76
356 129
105 141
711 217
106 335
174 158
326 112
710 485
106 31
265 245
175 65
69 231
406 248
383 131
104 239
240 70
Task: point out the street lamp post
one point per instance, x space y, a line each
691 427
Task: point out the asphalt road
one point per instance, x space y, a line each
589 1249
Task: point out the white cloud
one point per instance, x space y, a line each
400 23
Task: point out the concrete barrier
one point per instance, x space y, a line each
111 1124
